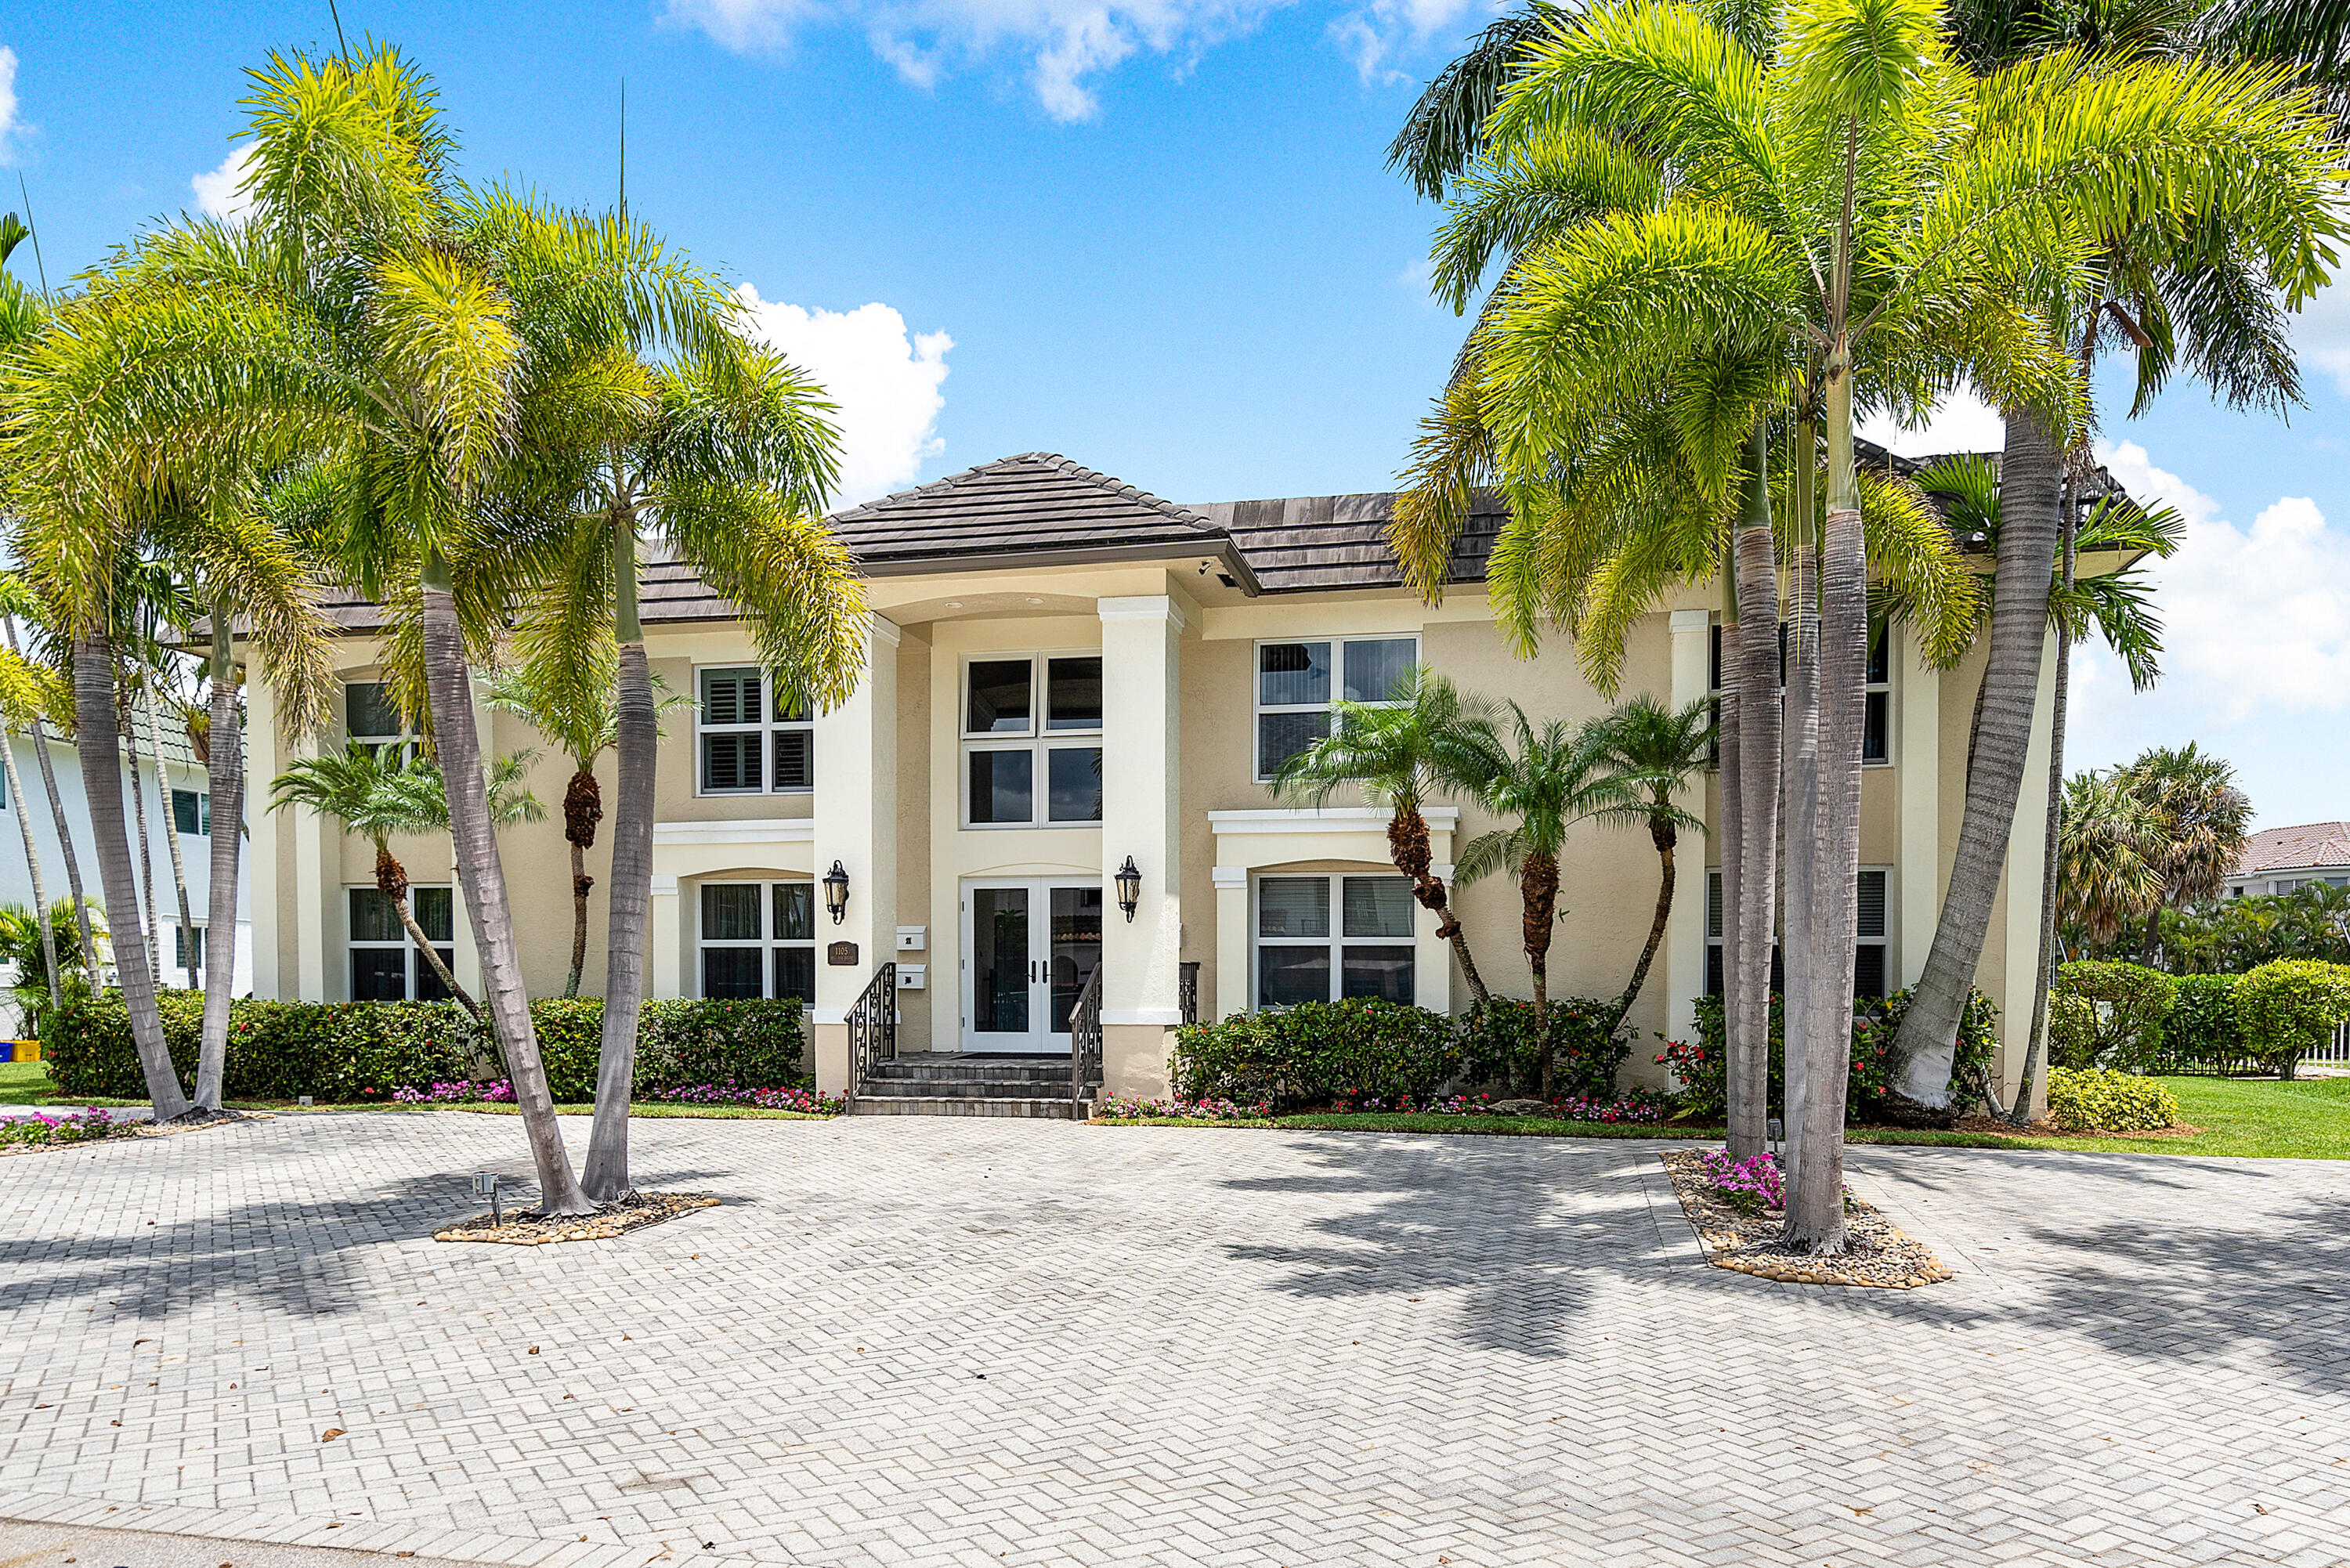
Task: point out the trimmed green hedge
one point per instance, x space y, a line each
1499 1046
359 1050
2290 1006
1703 1068
2131 1003
2100 1099
1317 1052
2204 1033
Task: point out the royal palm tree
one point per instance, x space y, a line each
1850 195
1547 780
570 701
1658 750
1431 740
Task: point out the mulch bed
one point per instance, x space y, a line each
2049 1130
1881 1257
528 1227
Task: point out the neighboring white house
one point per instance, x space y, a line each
2280 859
183 806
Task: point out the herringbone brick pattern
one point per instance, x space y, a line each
911 1340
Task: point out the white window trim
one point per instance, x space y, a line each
1870 688
403 739
1259 708
407 944
766 728
1335 943
204 812
1038 742
768 941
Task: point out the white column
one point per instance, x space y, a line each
260 767
1232 883
2027 862
667 942
1917 760
1141 806
1684 976
856 824
318 879
1432 955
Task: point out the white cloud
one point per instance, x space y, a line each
1376 34
1964 423
885 382
2321 333
9 124
221 193
1069 43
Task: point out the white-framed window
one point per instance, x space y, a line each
1868 960
1876 714
185 938
192 812
1032 751
1326 937
1298 679
750 736
372 719
385 963
757 940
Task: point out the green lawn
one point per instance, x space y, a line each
24 1083
28 1083
2307 1120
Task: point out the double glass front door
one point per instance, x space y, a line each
1028 948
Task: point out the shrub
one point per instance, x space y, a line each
1749 1186
1703 1069
346 1052
1499 1046
1120 1108
2204 1031
2131 1003
2072 1031
1317 1052
2290 1006
2100 1099
73 1126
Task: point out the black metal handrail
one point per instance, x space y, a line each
1186 992
872 1028
1085 1040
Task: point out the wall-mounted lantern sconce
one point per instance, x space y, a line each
1129 888
836 892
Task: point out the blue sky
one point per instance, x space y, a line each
1154 235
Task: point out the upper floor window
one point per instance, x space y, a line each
1296 683
192 812
1876 713
1031 741
372 719
754 738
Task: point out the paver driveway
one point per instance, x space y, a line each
914 1339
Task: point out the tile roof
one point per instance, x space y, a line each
1307 542
2291 848
1035 503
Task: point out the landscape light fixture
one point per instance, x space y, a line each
486 1183
836 892
1129 888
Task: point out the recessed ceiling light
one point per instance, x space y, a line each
954 604
1036 601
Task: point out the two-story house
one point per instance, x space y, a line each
1068 674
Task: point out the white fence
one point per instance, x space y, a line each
2334 1051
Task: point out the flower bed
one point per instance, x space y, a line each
39 1128
1729 1203
1639 1106
497 1092
1121 1109
791 1097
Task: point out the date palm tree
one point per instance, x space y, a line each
570 701
1548 779
1849 198
1431 740
1656 750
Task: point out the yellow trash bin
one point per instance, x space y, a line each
25 1050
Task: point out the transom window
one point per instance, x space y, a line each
1031 741
758 939
1296 683
1321 939
385 963
1869 970
754 737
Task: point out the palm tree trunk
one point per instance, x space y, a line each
150 931
1758 744
391 881
1814 1220
482 875
1733 837
2019 1113
1799 785
629 903
2029 525
224 771
100 750
1408 847
65 828
33 865
581 882
1666 837
172 842
1538 888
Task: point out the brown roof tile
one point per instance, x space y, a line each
2290 848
